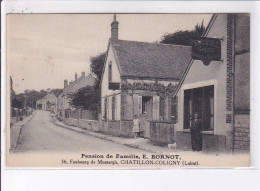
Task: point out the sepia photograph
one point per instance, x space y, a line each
128 90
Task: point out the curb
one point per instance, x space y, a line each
19 134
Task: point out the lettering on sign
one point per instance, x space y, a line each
206 49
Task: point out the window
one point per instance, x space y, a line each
105 109
173 109
114 108
199 100
110 72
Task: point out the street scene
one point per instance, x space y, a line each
135 83
42 134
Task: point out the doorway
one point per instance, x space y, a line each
146 116
199 100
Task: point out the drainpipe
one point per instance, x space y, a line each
233 81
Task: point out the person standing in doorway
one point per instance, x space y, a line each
136 127
196 133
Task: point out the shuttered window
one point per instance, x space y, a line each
114 108
174 109
105 109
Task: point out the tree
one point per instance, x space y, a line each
184 37
17 103
86 98
56 91
29 97
96 67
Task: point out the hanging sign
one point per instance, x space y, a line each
206 49
113 86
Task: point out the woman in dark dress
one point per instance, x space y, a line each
196 133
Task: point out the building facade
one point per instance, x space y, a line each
48 103
219 92
139 79
63 101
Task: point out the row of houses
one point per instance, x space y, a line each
60 105
63 101
165 85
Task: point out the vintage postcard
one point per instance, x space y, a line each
128 90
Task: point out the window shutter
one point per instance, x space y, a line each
115 109
176 101
108 108
140 104
123 103
156 100
135 96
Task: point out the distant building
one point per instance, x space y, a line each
79 82
49 102
138 79
220 91
39 104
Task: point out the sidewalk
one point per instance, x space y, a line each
15 131
139 143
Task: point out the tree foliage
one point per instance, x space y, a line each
96 67
29 97
184 37
86 98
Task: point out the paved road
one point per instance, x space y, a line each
42 134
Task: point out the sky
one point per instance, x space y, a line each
45 49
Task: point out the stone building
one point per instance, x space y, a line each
48 103
138 79
72 87
219 92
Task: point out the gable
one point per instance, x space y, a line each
116 76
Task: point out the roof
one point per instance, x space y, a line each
152 60
81 82
50 97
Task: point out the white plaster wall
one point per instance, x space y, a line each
104 85
214 74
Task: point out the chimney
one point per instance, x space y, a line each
83 74
76 76
65 83
71 82
114 30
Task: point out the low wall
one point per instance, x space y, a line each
210 142
242 133
127 128
82 114
82 123
162 133
71 121
110 128
88 124
117 128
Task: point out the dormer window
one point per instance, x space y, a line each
110 72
